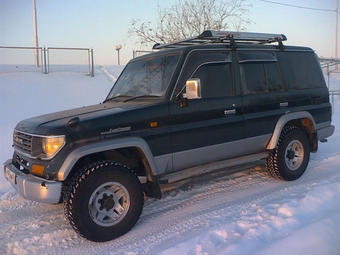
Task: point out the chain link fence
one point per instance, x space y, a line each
52 59
19 59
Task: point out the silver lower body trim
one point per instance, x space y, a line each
325 132
206 168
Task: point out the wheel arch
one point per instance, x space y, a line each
303 120
109 150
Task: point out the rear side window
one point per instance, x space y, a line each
259 72
305 70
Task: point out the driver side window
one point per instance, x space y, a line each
215 79
213 68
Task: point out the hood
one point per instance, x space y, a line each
53 123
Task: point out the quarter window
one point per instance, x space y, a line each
305 70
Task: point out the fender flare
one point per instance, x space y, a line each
282 122
80 152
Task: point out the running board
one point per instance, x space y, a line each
197 170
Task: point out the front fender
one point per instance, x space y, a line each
78 153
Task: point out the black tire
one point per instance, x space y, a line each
289 160
103 201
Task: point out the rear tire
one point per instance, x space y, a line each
103 201
289 160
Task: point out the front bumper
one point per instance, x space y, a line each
32 187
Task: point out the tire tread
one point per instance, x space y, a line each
74 184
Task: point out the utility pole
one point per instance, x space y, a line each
36 53
336 31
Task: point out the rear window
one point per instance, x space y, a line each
305 70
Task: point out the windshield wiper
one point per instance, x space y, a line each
112 98
146 95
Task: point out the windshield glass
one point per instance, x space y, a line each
145 77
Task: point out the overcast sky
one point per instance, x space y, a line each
102 24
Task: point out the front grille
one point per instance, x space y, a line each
23 142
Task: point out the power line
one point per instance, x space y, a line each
301 7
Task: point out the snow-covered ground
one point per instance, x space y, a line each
246 212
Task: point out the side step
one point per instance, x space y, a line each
197 170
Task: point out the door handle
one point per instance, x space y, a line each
284 104
229 112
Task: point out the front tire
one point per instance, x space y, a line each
103 201
289 160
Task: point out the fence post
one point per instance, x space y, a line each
92 63
45 64
48 59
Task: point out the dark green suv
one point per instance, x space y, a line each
192 106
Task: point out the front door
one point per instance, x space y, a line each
209 128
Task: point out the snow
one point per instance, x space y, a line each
245 212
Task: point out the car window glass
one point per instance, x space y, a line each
215 79
273 78
253 78
304 70
146 77
214 62
260 77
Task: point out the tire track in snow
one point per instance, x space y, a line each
194 205
198 215
198 211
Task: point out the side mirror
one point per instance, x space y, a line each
193 89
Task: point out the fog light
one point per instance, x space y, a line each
37 169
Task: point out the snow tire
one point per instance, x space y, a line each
289 160
103 201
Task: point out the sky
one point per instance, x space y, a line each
103 24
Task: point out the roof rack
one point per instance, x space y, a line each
211 36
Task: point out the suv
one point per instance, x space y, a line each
196 105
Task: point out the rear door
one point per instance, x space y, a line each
265 98
210 128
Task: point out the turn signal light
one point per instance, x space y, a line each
37 169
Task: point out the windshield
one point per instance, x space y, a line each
147 77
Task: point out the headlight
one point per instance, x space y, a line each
51 145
